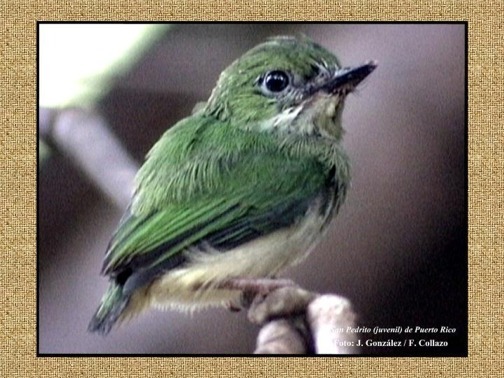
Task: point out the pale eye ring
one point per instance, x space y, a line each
274 82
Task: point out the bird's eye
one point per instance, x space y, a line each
275 82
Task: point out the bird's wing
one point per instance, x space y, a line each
194 190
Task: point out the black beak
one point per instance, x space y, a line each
346 79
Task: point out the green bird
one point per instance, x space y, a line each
241 189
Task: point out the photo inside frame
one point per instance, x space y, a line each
396 250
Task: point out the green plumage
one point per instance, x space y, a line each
225 177
211 175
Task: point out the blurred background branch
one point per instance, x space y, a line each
78 66
84 137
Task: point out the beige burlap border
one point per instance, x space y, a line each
18 187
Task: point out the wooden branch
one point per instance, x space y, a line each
296 321
280 337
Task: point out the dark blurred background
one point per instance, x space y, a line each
397 250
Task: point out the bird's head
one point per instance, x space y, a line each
287 84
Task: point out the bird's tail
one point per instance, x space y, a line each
111 307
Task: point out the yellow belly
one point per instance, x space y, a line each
193 286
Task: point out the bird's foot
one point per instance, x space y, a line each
255 285
253 289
